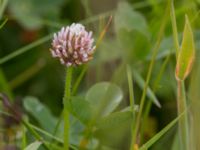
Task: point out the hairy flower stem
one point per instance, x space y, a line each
65 103
183 122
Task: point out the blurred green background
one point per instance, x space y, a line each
130 39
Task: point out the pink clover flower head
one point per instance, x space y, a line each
73 45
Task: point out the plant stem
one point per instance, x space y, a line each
174 27
65 103
132 103
78 80
24 142
183 122
155 51
35 134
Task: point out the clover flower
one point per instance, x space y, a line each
73 45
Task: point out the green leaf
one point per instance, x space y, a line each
107 53
33 146
32 13
129 19
80 108
135 45
104 97
40 112
113 129
186 54
131 29
114 120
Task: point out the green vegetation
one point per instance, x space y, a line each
140 91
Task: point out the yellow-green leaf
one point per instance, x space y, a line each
186 54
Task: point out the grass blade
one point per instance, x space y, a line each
141 83
46 133
80 77
25 49
161 133
3 23
155 51
3 4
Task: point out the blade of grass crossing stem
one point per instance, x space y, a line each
161 133
155 51
47 133
140 81
132 103
160 73
155 86
35 134
174 27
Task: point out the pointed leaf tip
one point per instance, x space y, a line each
187 52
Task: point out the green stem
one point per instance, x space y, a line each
80 77
24 141
35 134
174 27
155 51
65 103
132 103
181 97
183 122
